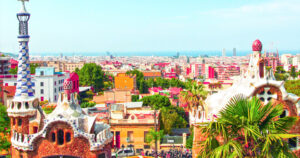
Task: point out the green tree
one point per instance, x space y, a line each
293 72
87 104
4 129
156 101
143 88
91 75
135 98
293 86
33 66
194 96
248 129
189 141
153 136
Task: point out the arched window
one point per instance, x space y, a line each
19 122
26 105
52 137
68 137
60 137
19 105
283 114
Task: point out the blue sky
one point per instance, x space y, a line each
152 25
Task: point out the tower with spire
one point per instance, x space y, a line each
25 107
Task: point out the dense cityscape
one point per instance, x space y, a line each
176 106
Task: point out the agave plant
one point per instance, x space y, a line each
247 128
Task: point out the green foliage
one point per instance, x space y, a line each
14 71
91 75
32 69
189 141
135 98
194 96
48 109
293 72
153 136
4 129
156 101
281 76
4 143
293 86
143 85
166 83
4 120
171 117
85 96
248 129
87 104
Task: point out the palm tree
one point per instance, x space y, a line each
247 128
194 97
154 136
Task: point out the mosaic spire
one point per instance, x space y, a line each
24 84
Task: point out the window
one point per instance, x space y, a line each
55 98
130 136
60 137
42 91
14 121
146 146
15 84
68 137
19 105
292 142
55 83
19 122
53 137
42 84
26 105
145 136
284 114
35 129
101 155
42 73
54 90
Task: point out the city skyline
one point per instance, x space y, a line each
146 26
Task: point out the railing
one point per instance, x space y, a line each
8 76
135 121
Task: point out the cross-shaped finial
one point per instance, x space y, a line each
266 96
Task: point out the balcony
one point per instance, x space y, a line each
135 121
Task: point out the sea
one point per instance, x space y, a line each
156 53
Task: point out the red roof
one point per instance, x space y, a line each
10 90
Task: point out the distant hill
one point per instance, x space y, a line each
10 54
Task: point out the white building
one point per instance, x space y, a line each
47 84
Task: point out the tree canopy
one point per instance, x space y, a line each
4 129
170 116
91 75
156 101
293 86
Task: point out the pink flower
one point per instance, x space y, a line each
5 128
215 116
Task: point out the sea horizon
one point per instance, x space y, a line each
154 53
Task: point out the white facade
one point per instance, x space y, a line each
49 87
46 87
